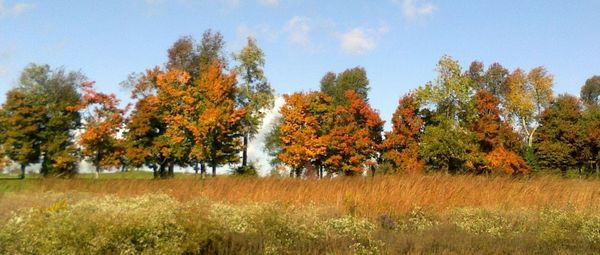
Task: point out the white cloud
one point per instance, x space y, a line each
15 10
412 9
244 31
259 32
359 40
269 2
6 55
256 147
298 29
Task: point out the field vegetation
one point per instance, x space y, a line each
383 215
481 159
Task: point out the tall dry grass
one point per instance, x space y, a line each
369 197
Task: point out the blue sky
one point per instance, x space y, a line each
397 41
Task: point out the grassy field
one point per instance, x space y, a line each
131 213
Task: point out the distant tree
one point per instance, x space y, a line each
183 55
450 94
401 145
448 148
557 144
590 134
494 138
447 143
211 49
255 92
350 79
20 118
103 120
54 93
273 143
528 95
354 138
590 92
186 55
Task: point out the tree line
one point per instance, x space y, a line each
197 111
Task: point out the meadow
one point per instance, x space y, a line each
129 213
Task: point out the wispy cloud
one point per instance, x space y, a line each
358 41
6 55
412 9
259 32
14 10
298 29
269 2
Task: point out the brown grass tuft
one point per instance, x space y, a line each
370 197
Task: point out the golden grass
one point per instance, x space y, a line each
365 196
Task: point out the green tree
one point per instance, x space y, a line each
558 145
590 135
448 148
590 92
447 143
55 92
254 93
450 94
350 79
20 117
195 58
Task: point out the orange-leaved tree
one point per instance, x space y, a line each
401 145
306 119
146 140
354 137
495 138
103 120
174 101
215 122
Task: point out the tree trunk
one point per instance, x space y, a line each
196 168
171 169
162 171
245 151
154 171
203 170
97 164
44 167
214 170
22 171
321 172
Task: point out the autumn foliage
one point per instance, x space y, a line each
196 112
